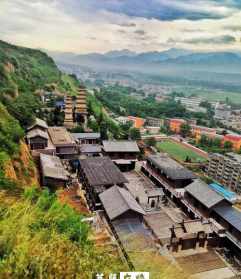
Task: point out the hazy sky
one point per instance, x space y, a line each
84 26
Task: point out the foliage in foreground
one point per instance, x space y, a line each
41 238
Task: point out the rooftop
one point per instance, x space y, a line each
170 167
230 215
60 136
203 193
39 122
80 136
120 146
101 171
90 148
52 167
118 201
37 133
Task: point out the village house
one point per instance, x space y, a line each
38 124
200 197
53 172
230 218
63 141
90 150
97 175
119 203
87 138
166 171
122 153
37 139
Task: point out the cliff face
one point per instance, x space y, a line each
21 169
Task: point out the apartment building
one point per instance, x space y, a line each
226 170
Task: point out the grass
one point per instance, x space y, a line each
214 95
179 152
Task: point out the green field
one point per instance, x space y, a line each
214 95
178 151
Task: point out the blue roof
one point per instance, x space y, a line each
229 195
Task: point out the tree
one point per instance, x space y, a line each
135 134
151 141
185 130
104 130
228 145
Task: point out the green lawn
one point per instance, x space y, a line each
178 151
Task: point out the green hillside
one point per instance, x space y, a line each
23 71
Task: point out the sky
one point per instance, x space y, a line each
86 26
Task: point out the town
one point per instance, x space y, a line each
142 196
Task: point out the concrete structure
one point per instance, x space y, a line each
137 121
154 122
226 170
234 139
192 234
175 125
191 103
222 112
198 131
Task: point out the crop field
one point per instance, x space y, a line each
179 152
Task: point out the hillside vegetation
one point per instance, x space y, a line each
23 71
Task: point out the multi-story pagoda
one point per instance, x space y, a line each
81 107
68 113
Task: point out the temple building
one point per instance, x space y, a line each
68 113
80 111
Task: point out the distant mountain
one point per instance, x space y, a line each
119 56
120 53
212 58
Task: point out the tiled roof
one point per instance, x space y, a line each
52 167
170 167
118 201
203 193
120 146
101 171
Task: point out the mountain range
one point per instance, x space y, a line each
217 70
172 56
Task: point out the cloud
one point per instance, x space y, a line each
126 24
160 9
225 39
82 26
232 27
140 32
